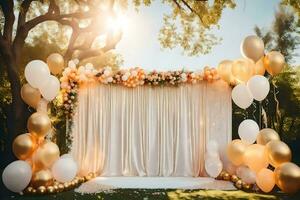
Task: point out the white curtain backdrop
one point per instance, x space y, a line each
150 131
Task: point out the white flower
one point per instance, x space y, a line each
124 77
89 66
110 79
134 73
76 61
127 74
81 70
94 71
106 72
71 64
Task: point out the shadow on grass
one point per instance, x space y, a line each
155 194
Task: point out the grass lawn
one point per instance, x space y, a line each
150 194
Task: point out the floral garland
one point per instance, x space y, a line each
73 77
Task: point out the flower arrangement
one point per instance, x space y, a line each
73 77
133 77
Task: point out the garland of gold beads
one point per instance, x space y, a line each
238 183
57 187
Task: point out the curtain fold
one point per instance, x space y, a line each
149 131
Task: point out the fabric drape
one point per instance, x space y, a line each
149 131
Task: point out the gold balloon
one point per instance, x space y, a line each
42 178
239 184
242 69
255 157
24 145
61 187
278 152
50 189
56 189
41 190
56 63
253 47
259 68
287 177
266 135
234 178
45 155
265 180
28 190
246 186
33 191
274 62
224 70
235 151
30 95
226 177
39 124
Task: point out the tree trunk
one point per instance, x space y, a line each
17 116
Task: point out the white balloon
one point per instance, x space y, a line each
212 155
248 131
213 167
246 174
37 73
259 86
64 169
50 90
212 147
242 96
67 155
17 175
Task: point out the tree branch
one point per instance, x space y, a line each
191 9
23 11
8 12
177 4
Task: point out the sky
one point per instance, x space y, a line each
140 46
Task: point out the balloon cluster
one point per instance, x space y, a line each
210 74
39 163
254 62
213 164
254 161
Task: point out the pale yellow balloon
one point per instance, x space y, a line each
265 180
45 156
278 152
235 151
259 68
287 177
266 135
39 124
56 63
224 70
30 95
255 157
274 62
253 47
243 69
42 178
24 145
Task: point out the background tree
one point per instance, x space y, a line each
32 29
21 23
